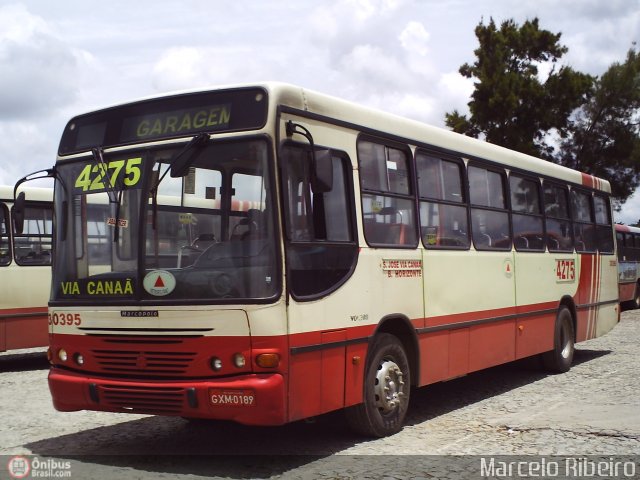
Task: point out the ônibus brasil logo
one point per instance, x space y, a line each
19 467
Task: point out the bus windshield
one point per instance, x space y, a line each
128 230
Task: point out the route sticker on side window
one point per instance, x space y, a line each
159 283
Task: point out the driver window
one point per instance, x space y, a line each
321 246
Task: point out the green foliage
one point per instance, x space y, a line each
526 101
511 106
605 131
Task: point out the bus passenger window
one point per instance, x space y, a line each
489 216
604 229
583 228
33 245
5 251
387 203
443 213
558 223
528 233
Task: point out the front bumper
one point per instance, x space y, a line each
224 398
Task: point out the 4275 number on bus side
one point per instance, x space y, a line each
565 270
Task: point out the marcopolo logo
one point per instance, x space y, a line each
22 467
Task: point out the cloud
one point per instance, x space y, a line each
415 38
38 69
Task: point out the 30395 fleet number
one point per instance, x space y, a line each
65 319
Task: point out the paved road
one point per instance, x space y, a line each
511 410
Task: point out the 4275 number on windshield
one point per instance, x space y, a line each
101 176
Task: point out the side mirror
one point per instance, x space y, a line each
322 173
18 213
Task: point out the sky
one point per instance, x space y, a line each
62 58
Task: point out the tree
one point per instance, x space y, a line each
604 137
511 106
570 118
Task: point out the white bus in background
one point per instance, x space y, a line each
25 269
628 239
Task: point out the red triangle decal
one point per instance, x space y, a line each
508 269
159 282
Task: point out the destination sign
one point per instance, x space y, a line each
175 116
177 122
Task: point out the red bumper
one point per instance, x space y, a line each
252 399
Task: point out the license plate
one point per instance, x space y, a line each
232 398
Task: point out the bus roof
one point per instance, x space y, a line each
627 228
36 194
411 131
420 133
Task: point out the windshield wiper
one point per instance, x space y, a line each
110 187
177 169
180 169
111 190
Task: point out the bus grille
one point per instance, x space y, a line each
143 362
152 400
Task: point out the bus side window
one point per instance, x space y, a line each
387 201
557 218
528 233
5 250
583 228
443 210
489 215
33 246
321 246
604 235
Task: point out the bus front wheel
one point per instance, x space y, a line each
559 359
387 388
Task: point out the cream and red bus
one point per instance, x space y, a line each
25 269
628 241
379 254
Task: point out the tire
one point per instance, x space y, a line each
559 359
635 303
387 387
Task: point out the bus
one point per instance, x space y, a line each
25 269
628 240
343 256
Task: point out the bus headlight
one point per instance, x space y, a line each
216 363
62 355
79 358
239 360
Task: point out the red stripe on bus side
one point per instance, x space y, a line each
24 328
7 312
588 180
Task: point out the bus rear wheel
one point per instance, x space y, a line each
559 359
635 303
387 386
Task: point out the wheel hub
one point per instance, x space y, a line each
389 387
